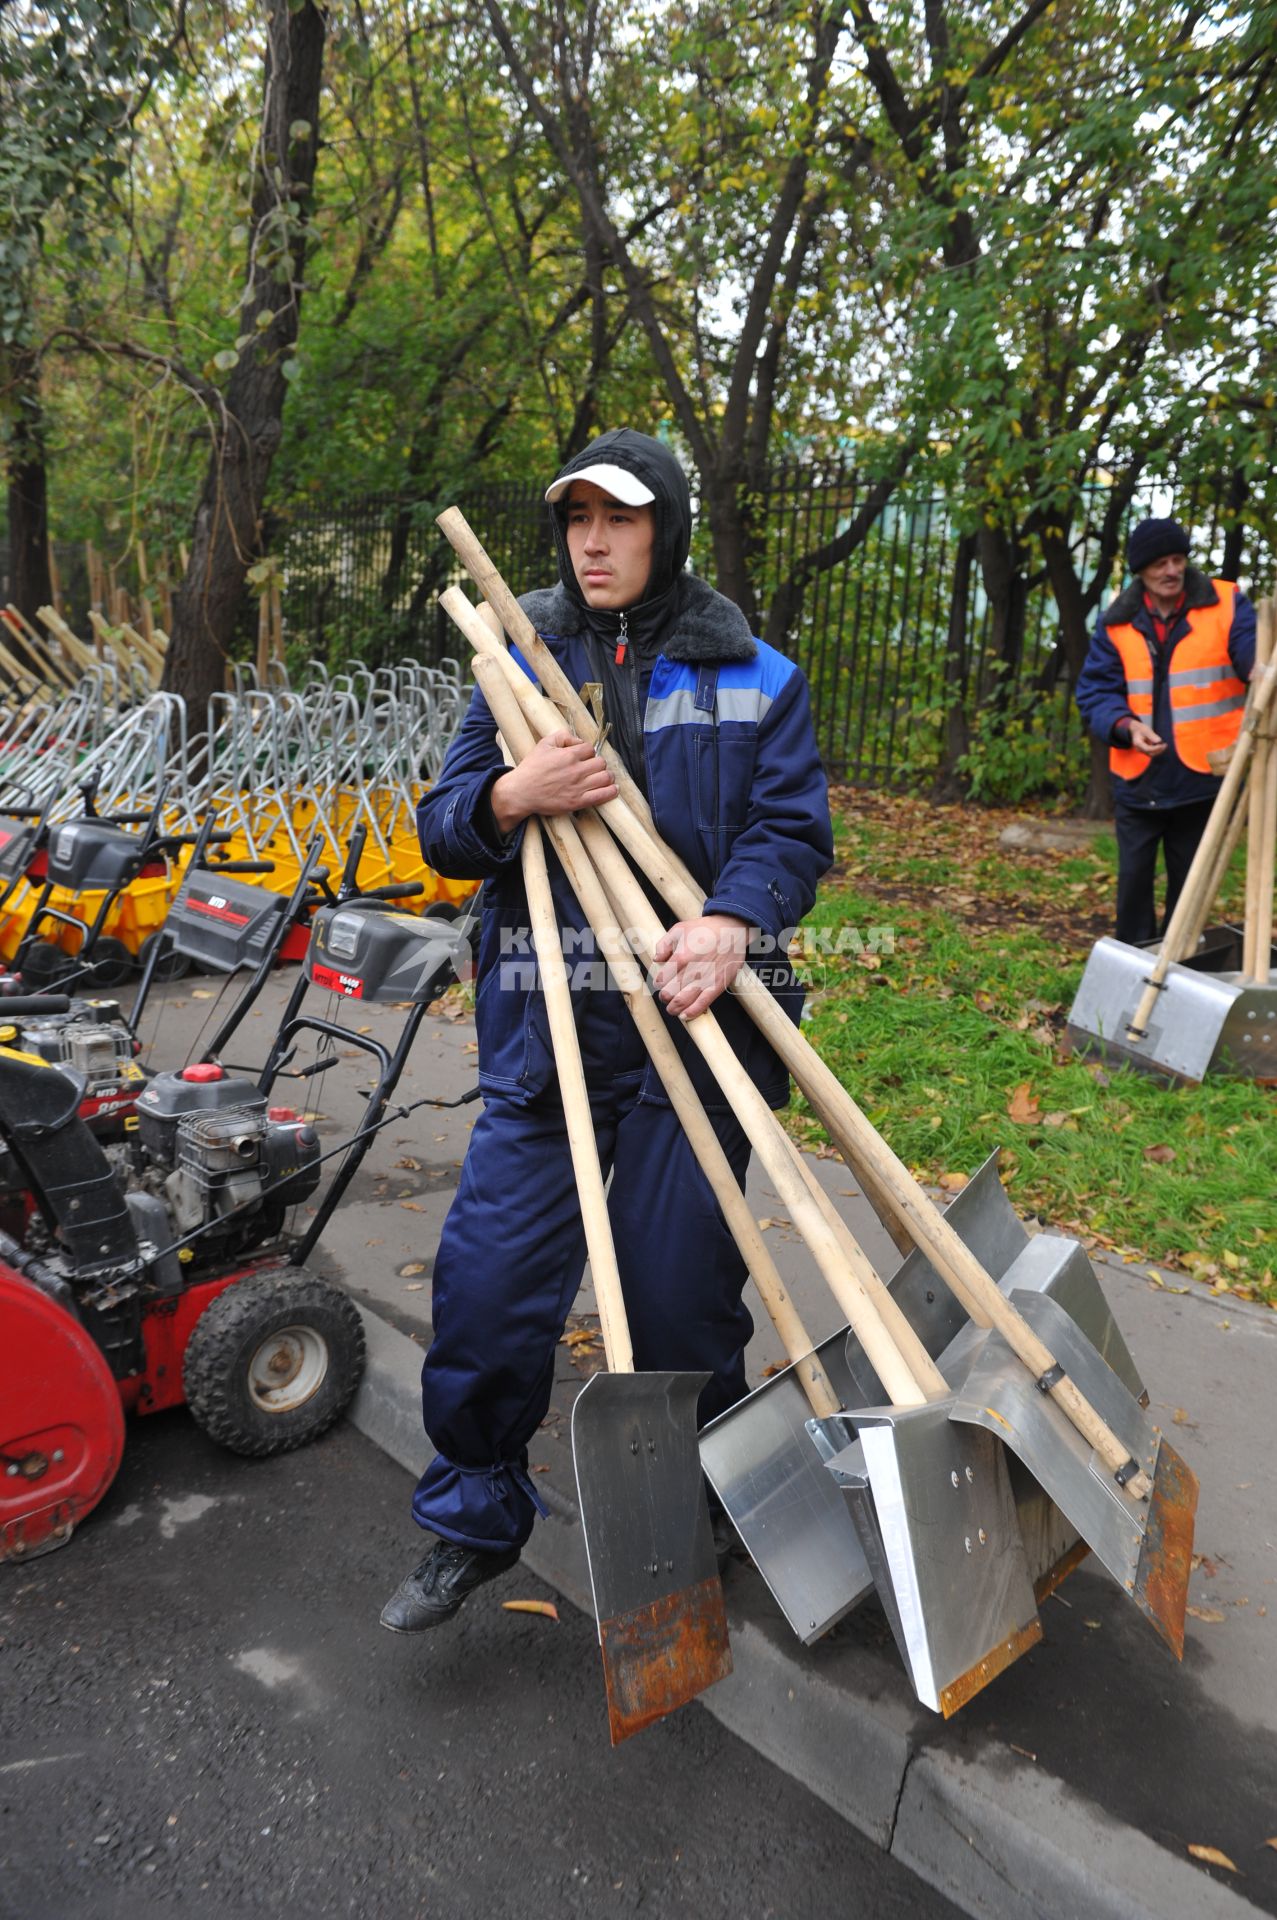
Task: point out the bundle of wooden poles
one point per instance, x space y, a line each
612 901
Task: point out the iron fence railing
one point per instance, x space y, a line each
875 634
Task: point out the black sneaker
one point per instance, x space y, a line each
435 1590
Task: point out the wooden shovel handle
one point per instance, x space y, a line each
674 1076
1263 827
672 879
576 1105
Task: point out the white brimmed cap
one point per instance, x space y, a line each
615 481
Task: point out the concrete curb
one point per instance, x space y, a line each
999 1838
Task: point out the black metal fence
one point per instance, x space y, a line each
874 634
887 656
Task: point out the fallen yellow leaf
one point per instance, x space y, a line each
953 1182
1211 1615
545 1607
1213 1857
1023 1106
412 1206
414 1266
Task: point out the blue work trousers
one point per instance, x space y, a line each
509 1265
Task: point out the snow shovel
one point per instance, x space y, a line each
1146 1545
657 1596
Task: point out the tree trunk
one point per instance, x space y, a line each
30 585
1075 639
1098 804
1235 537
1002 569
226 537
948 786
729 534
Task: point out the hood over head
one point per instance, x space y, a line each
636 470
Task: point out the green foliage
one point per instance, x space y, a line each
1021 751
1038 247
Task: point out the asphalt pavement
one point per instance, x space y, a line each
1075 1784
200 1715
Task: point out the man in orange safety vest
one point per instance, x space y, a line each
1165 685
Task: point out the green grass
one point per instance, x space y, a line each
935 1038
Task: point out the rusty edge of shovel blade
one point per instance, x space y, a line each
1160 1588
657 1597
660 1656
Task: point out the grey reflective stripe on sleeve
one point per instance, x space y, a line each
1139 686
1210 710
679 709
1200 676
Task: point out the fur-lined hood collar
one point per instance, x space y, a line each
708 629
1198 592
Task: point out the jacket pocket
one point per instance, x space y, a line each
724 778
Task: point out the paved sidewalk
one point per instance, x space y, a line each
1076 1782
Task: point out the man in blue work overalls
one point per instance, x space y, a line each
715 727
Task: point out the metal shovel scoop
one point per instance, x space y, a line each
657 1596
1146 1543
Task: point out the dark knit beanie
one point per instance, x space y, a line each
1153 540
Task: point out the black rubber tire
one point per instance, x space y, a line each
231 1331
110 964
172 965
44 965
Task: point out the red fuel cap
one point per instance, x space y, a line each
203 1071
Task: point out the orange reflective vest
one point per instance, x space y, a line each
1207 698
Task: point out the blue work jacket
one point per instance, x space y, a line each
736 787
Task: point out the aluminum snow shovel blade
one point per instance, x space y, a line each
1146 1544
762 1461
1209 1018
939 1525
657 1596
1051 1264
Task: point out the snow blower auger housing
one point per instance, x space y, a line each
103 1312
140 1276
